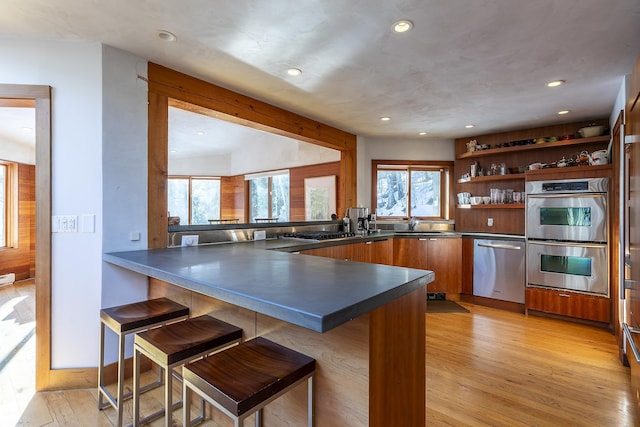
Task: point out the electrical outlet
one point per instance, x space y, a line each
489 222
64 224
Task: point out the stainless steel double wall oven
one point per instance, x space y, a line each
566 230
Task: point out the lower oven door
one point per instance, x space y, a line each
580 267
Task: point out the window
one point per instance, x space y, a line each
8 204
195 200
269 196
411 189
3 205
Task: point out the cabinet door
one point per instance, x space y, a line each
444 257
410 252
337 252
382 252
359 252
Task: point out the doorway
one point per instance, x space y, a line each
40 97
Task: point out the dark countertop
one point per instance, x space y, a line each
313 292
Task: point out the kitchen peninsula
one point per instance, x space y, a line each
363 323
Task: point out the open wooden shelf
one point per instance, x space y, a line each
517 148
506 177
493 206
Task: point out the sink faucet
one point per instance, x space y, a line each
412 223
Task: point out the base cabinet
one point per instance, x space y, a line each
443 256
373 251
572 304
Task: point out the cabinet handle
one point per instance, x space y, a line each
564 295
422 238
628 332
368 243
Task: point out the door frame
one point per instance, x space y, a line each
42 96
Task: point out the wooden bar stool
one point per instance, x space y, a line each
175 345
124 320
243 379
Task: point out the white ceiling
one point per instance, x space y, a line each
484 62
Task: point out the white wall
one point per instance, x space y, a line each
124 177
73 70
393 149
17 152
99 167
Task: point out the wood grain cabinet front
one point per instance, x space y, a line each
443 256
373 251
572 304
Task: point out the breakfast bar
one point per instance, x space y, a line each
363 323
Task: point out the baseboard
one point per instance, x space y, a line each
64 379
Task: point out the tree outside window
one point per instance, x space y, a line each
195 200
269 197
411 189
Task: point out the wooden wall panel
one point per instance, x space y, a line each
21 259
296 184
232 197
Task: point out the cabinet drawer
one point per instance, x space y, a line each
573 304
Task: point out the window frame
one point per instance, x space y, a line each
190 179
269 175
446 185
11 205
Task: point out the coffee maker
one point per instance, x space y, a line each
359 220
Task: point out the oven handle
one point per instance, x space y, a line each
628 333
499 246
571 244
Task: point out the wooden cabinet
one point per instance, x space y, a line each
443 256
572 304
373 251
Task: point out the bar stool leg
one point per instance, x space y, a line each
186 405
168 396
310 403
136 386
259 418
120 398
101 404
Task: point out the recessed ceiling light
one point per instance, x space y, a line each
556 83
199 133
385 118
470 126
563 112
294 71
166 36
402 26
422 133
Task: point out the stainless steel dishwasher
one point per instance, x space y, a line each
499 269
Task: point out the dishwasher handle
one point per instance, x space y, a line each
500 246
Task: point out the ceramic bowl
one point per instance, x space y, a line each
486 200
476 200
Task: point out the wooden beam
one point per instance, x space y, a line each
171 88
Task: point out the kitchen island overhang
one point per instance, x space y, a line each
363 323
313 292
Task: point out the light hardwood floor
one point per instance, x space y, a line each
484 368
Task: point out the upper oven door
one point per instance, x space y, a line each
575 217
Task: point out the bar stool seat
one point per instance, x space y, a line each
243 379
175 345
124 320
